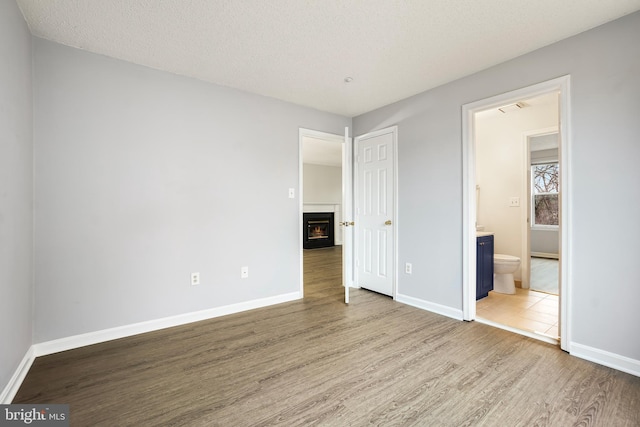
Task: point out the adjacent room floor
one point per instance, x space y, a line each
544 275
527 310
534 310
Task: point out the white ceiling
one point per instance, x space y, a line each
544 142
301 50
321 152
548 100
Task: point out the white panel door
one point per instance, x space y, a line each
375 211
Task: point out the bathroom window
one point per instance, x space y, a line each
545 185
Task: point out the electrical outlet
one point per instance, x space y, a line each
408 268
195 279
244 272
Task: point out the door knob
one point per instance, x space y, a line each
387 222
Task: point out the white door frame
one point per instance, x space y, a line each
347 214
394 268
302 133
561 84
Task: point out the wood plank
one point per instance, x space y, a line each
318 361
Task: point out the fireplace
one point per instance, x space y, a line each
317 230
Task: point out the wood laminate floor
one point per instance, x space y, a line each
318 361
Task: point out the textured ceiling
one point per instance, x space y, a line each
302 50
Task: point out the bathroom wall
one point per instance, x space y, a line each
500 169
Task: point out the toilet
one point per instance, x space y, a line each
503 268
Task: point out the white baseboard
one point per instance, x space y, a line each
612 360
75 341
601 357
69 343
430 306
544 255
15 382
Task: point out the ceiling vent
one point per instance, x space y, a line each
513 107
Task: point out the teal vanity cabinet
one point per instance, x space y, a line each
484 266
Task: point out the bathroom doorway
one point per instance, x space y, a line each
497 197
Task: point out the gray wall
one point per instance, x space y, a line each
16 190
545 242
604 64
143 177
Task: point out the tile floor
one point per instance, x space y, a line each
544 275
526 309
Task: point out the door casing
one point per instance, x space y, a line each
561 84
347 147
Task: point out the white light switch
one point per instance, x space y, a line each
244 272
514 202
292 193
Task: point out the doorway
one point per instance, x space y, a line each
322 211
369 249
471 199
